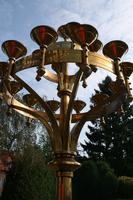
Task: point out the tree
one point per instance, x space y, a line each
46 147
14 132
111 138
29 177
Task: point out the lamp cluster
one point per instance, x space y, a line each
83 34
80 46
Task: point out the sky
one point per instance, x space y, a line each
112 18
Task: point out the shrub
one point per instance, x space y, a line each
125 188
108 181
94 180
85 181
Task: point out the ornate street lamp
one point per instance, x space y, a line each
80 46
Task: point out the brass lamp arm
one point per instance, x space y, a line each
72 98
34 114
41 101
96 112
88 116
38 115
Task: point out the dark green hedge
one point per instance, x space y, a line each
94 180
125 189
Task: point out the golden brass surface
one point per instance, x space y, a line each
57 116
63 55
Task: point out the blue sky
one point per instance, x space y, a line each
112 18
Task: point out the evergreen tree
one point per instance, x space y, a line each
111 138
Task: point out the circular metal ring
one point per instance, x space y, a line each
60 54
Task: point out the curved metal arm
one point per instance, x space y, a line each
75 132
72 98
51 118
43 103
96 112
32 113
40 116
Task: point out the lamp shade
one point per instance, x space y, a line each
95 46
29 99
82 34
54 105
14 49
115 49
127 68
43 35
79 105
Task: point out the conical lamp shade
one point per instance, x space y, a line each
14 49
43 35
95 46
29 99
79 105
62 32
127 68
115 49
82 34
86 34
54 105
70 30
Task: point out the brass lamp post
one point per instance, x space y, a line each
80 46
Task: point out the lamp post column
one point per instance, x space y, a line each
64 190
64 161
64 164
